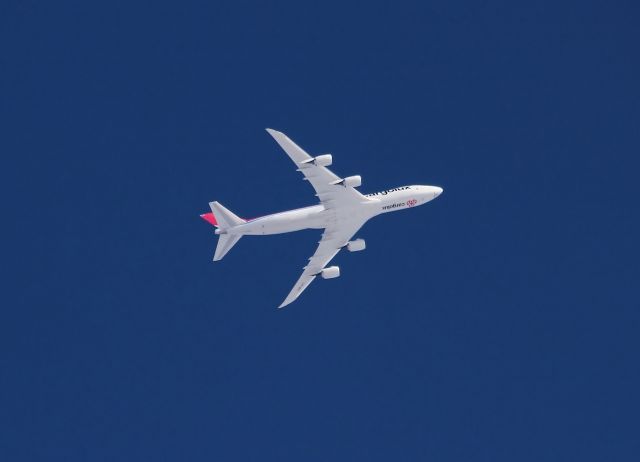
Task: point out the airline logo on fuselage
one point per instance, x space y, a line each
394 206
384 193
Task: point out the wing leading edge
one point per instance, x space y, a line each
321 178
331 195
334 238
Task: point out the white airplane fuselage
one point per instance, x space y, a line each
319 216
341 212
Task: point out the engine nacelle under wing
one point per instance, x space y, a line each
330 272
350 181
353 181
324 160
356 245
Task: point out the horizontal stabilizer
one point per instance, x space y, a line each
225 242
225 218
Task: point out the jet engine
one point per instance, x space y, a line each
351 181
356 245
322 161
330 272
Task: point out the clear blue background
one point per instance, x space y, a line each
500 322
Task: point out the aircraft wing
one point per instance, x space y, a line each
320 177
333 239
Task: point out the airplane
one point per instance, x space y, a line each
341 212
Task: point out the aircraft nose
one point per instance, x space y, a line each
434 191
431 192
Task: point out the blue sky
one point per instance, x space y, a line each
499 322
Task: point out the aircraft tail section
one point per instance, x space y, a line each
225 218
225 242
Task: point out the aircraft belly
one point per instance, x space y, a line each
285 222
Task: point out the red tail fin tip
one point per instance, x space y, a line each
210 218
